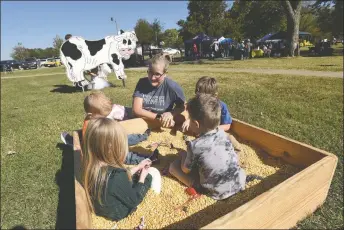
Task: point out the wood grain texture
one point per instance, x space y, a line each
293 152
83 214
285 204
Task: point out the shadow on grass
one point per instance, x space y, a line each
66 89
19 227
72 89
64 178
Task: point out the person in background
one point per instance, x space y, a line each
248 48
195 51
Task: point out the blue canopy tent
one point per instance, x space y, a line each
281 35
264 38
199 39
202 40
226 41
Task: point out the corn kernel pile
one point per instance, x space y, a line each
159 211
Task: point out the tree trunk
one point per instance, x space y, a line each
142 52
293 18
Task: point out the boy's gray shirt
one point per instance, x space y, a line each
214 157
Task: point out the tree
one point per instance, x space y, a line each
144 31
49 52
19 52
293 13
254 19
172 39
338 25
309 23
57 43
330 16
157 28
203 17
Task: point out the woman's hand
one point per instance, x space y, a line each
167 120
185 125
143 174
144 163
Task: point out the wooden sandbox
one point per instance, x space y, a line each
280 207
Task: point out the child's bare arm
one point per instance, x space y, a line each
226 127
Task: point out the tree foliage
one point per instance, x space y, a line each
204 17
330 16
157 28
144 31
172 38
57 43
254 19
19 52
309 23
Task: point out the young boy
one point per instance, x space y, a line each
208 85
210 164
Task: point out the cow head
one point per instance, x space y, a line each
116 62
127 43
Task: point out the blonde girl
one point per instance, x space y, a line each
112 191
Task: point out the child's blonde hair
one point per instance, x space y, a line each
161 58
206 85
205 109
97 105
105 144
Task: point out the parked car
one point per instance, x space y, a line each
43 61
5 68
58 60
171 51
12 64
30 63
52 62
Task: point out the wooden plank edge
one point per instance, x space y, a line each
255 208
291 151
282 137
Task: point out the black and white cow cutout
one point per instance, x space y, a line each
79 55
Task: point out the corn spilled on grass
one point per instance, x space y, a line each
160 211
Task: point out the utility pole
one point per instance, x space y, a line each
114 20
156 40
117 33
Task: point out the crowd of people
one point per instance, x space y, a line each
112 190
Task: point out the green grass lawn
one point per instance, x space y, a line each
35 110
31 72
333 63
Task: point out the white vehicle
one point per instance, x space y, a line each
42 62
171 51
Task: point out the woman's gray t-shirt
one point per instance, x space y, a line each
159 99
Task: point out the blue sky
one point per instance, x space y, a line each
36 23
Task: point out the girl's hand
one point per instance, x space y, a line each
143 174
185 125
144 163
